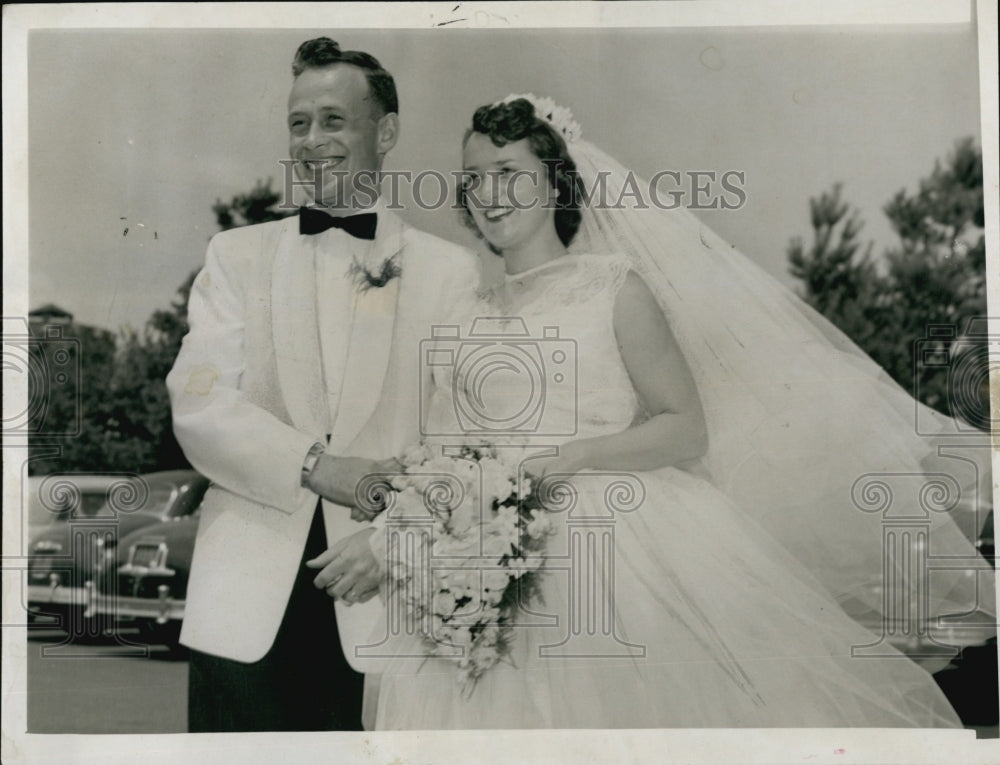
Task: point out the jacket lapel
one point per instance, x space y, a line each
371 337
296 332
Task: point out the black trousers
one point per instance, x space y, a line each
303 683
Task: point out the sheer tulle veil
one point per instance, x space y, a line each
807 434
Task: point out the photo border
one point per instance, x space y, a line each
701 745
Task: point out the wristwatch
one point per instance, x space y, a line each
309 463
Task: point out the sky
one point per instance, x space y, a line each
145 129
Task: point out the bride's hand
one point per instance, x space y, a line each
549 474
570 460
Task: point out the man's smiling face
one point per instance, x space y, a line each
335 128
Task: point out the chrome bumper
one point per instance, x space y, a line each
46 595
163 609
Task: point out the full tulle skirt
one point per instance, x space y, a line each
663 605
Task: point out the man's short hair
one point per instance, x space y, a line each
322 52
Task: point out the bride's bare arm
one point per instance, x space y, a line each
675 431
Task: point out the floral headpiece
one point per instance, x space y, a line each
559 117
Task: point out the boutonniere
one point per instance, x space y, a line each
365 278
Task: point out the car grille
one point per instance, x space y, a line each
42 562
145 555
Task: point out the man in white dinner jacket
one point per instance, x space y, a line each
299 377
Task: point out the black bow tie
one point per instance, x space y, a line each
361 226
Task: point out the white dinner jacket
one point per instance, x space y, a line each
249 400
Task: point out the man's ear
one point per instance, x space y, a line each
388 132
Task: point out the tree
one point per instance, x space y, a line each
257 206
140 429
930 285
938 270
67 413
840 283
124 415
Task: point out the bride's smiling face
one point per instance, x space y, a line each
507 193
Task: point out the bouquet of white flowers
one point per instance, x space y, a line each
463 582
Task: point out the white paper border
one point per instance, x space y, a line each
586 746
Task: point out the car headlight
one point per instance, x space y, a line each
106 557
102 552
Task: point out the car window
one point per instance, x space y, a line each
190 498
160 497
97 504
91 503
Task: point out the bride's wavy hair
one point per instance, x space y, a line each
508 122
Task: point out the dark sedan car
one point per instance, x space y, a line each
79 547
149 587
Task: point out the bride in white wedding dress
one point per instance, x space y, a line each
670 607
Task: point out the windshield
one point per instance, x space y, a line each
91 503
159 498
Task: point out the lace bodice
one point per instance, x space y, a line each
536 359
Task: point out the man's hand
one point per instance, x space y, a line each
339 479
350 571
365 514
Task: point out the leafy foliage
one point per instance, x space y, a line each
69 415
839 282
122 421
931 285
257 206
